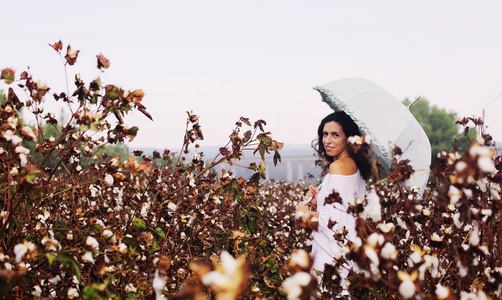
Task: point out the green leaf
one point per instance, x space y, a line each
94 126
160 233
138 223
31 176
70 262
270 261
50 257
7 75
96 228
133 130
90 292
134 296
274 277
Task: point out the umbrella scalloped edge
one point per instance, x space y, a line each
383 154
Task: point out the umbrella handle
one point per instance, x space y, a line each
305 202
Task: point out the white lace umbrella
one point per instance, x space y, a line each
389 122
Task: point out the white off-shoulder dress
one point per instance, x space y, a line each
324 246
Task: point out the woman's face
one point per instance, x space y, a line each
334 139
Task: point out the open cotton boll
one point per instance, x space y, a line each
20 250
87 257
373 209
158 285
293 285
388 251
407 289
109 179
92 242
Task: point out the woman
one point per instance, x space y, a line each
347 175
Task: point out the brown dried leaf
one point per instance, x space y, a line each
57 46
71 55
246 121
103 62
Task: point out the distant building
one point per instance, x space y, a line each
291 169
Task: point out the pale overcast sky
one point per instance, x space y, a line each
261 59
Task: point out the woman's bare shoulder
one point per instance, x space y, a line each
346 166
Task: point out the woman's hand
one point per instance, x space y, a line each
313 191
302 207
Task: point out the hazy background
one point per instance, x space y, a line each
260 59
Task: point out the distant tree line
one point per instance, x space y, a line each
441 128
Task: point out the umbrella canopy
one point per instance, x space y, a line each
383 117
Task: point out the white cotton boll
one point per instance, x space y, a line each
482 182
158 285
107 233
92 243
14 171
372 255
214 278
407 289
130 288
144 209
415 258
486 212
486 164
15 140
196 156
87 257
172 206
494 191
436 237
474 239
37 291
300 258
358 242
293 285
109 179
401 223
388 251
461 269
386 227
55 280
228 263
375 239
456 220
354 140
122 248
20 250
73 293
460 166
442 292
294 293
373 209
454 194
23 160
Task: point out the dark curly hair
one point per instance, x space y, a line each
350 128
